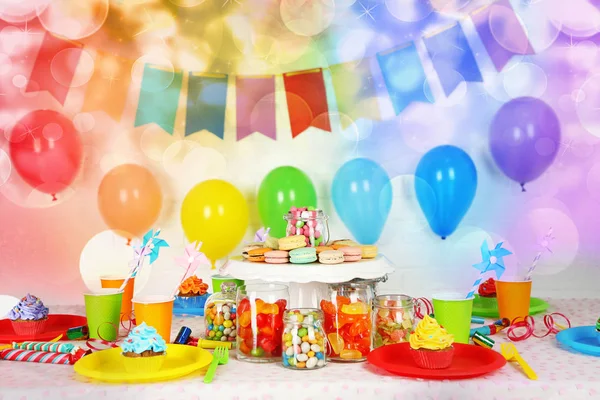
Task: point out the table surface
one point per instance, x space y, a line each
562 374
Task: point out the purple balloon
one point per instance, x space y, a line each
524 138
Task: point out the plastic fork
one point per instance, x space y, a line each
220 357
510 353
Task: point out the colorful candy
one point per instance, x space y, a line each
220 320
260 337
348 328
303 340
394 319
308 222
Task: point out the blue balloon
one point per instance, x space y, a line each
362 196
445 183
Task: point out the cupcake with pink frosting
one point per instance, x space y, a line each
29 317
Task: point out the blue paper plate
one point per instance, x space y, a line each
584 339
195 312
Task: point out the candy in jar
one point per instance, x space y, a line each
347 321
303 339
260 321
394 319
310 223
220 314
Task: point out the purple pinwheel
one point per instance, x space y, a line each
191 259
261 235
544 243
492 260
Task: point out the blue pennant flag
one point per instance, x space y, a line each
404 77
452 58
206 103
159 98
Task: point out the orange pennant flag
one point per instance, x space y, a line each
108 88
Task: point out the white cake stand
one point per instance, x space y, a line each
307 282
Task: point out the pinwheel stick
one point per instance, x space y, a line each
545 244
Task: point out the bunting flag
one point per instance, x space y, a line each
501 32
404 77
306 100
452 58
52 71
255 106
159 98
355 91
109 85
206 103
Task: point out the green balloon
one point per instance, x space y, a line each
283 188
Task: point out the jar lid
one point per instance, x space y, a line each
306 215
228 286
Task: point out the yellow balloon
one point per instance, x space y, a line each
215 213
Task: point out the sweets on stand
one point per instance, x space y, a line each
303 339
29 316
394 319
369 251
260 323
487 293
331 257
277 257
308 222
251 246
303 255
192 293
220 314
347 317
258 255
351 253
431 346
292 242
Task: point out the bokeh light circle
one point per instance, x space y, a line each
20 11
153 142
506 30
74 19
153 61
423 129
449 6
20 81
525 79
186 3
593 182
456 97
409 10
5 64
68 60
52 131
353 46
307 18
588 108
5 167
583 55
84 122
529 231
543 28
355 130
581 18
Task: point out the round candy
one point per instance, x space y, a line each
257 352
311 362
305 347
302 357
302 332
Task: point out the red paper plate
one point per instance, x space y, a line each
57 325
469 361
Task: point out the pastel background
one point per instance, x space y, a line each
41 241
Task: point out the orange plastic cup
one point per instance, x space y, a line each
155 311
115 282
513 299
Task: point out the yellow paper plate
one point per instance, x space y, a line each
107 365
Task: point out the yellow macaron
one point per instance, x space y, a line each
369 251
292 242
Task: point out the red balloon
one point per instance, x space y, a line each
46 151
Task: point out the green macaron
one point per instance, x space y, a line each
303 255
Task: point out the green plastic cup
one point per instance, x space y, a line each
217 280
453 312
103 312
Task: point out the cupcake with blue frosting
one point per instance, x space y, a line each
144 350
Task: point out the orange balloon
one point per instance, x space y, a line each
130 200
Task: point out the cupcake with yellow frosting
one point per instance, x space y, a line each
431 346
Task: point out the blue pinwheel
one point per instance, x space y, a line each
492 259
152 242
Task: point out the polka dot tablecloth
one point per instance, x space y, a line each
562 375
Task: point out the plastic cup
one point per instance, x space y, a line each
103 313
453 312
155 311
115 282
513 299
217 280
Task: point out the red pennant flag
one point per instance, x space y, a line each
54 67
306 100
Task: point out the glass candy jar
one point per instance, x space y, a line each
260 321
220 314
312 224
347 321
394 319
303 339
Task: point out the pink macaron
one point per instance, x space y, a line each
277 257
351 253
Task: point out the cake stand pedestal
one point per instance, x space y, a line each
307 282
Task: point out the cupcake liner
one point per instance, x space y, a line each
143 365
191 302
488 302
433 359
29 328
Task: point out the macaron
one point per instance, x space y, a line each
272 243
351 253
258 255
277 257
338 244
331 257
292 242
249 247
303 255
323 248
369 251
